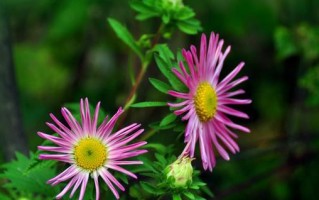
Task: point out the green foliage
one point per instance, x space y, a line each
284 43
148 104
28 176
310 81
302 40
173 13
159 85
125 36
165 62
158 185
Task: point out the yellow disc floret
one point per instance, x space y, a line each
205 101
90 153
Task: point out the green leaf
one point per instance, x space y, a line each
166 71
148 187
159 85
30 175
191 26
160 158
284 42
4 197
207 191
148 104
168 119
156 126
189 195
144 10
184 13
125 36
177 197
165 53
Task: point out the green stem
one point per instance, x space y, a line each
148 134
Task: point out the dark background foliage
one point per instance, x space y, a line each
65 50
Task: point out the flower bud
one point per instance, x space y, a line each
179 173
172 4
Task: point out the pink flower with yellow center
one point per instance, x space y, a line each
206 105
91 151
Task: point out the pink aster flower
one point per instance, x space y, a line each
206 105
91 151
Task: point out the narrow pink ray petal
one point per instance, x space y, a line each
66 189
120 169
54 139
219 148
58 157
127 155
108 182
67 136
126 140
202 53
182 110
55 149
130 147
87 116
131 162
105 131
231 75
114 180
189 59
73 124
64 128
188 114
220 90
179 76
83 186
219 66
222 118
223 101
83 116
95 118
195 58
231 94
97 187
179 94
80 178
68 170
203 152
179 104
122 133
233 112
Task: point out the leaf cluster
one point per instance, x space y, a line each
172 13
155 181
27 176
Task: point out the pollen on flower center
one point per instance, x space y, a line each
205 101
90 153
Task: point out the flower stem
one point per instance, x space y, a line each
145 63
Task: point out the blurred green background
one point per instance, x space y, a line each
65 50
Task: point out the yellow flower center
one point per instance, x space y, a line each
90 154
205 101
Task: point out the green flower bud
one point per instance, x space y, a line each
172 4
179 173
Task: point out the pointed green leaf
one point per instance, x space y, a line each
166 71
189 195
190 26
125 36
168 119
177 197
148 187
148 104
159 85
